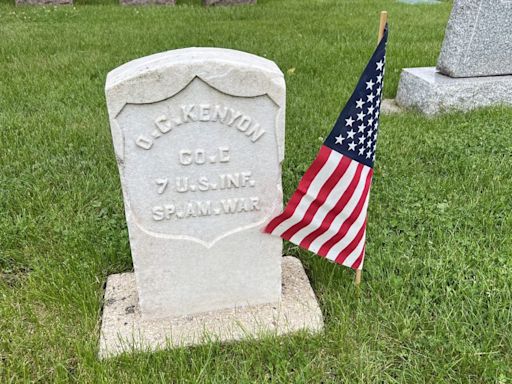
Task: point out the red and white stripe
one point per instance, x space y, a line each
327 212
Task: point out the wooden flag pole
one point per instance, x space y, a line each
358 277
382 27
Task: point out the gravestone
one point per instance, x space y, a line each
228 2
475 65
147 2
198 135
478 39
44 2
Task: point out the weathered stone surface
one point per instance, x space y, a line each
430 92
44 2
478 39
228 2
199 138
147 2
389 107
124 329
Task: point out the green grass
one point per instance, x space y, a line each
435 303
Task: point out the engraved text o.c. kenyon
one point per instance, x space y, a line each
191 113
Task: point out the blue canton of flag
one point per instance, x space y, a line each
355 132
327 213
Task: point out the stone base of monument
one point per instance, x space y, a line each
228 2
430 92
124 330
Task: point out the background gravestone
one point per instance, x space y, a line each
475 66
44 2
478 39
228 2
198 135
147 2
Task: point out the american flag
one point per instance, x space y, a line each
327 213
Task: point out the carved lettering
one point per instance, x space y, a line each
236 180
255 203
234 116
189 210
170 209
233 180
200 156
229 205
223 154
182 184
158 213
206 208
220 115
163 124
187 113
255 132
245 178
185 157
204 112
162 185
244 124
203 184
143 142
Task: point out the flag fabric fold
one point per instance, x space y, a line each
327 213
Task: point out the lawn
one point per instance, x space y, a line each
435 302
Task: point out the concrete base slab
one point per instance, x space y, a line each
428 91
123 329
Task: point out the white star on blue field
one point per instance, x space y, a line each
356 130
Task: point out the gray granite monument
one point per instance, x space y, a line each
474 68
198 135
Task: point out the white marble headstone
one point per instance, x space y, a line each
198 135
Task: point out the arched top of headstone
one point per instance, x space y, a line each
249 75
477 40
158 77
